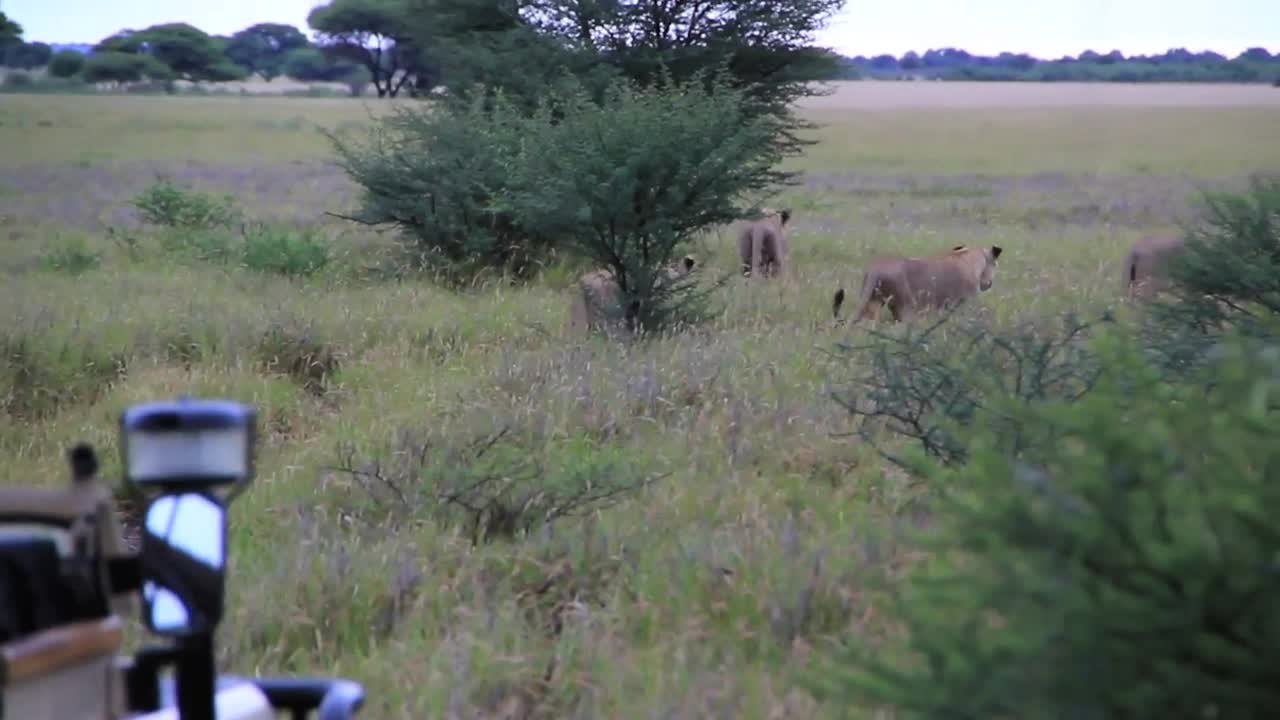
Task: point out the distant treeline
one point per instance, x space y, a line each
363 42
1255 65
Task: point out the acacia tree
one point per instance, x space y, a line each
188 52
309 64
374 34
121 67
10 32
27 56
518 45
262 48
66 63
629 181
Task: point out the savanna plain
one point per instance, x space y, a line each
715 522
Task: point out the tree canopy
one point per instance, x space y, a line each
10 32
121 67
262 48
66 63
27 55
188 52
765 45
375 34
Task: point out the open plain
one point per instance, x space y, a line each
714 583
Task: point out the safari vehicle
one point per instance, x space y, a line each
67 579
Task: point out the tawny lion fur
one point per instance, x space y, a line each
596 297
1146 263
910 285
762 244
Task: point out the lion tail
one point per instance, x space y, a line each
869 283
1130 270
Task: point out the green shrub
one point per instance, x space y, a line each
433 174
295 253
66 63
1121 565
628 182
164 203
624 183
1227 280
72 257
123 67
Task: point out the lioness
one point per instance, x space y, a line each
762 243
908 284
1146 263
595 298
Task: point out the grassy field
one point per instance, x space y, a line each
707 592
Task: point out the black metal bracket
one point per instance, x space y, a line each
331 699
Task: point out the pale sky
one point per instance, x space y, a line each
1044 28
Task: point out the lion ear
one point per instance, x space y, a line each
786 215
996 250
689 262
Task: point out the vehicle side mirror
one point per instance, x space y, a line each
184 553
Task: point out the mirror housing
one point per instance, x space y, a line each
201 445
184 538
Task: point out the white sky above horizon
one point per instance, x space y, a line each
1046 29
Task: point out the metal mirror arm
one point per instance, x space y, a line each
197 584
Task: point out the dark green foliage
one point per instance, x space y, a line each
486 46
284 251
184 51
262 48
433 176
623 185
1228 278
524 47
166 204
1122 565
65 64
124 41
627 183
10 33
1174 65
311 65
120 67
189 53
373 34
27 56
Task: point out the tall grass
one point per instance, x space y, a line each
750 517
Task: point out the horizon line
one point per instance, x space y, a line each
839 48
